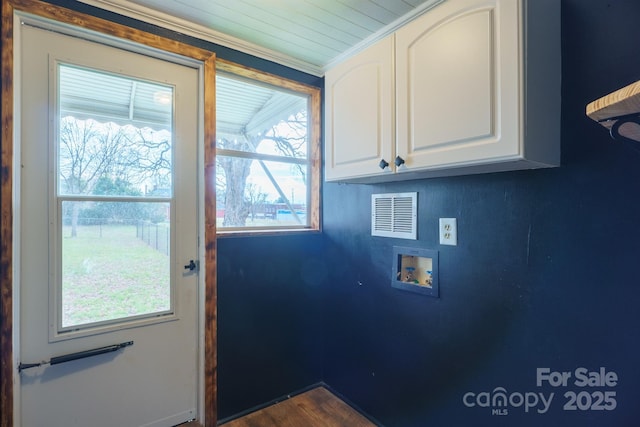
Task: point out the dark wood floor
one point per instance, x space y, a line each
315 408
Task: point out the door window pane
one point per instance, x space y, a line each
114 197
114 135
115 261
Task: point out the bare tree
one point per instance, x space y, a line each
147 159
236 171
90 151
256 200
87 150
289 138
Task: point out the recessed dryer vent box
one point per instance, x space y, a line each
415 270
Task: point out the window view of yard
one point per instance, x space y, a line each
262 162
114 199
115 269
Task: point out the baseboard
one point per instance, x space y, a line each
353 405
271 402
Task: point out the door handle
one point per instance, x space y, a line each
191 266
75 356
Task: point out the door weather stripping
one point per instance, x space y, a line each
75 356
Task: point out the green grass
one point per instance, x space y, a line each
108 273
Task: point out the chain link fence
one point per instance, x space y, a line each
156 235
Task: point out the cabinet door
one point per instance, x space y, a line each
359 120
458 85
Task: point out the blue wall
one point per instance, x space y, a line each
543 275
269 312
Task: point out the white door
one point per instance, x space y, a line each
108 222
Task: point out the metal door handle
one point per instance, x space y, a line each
191 266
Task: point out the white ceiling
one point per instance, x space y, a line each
308 35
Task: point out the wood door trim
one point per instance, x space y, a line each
92 23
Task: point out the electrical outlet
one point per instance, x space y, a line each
448 231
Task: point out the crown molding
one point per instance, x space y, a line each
382 33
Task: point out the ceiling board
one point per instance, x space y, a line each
308 35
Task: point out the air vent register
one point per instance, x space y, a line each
394 215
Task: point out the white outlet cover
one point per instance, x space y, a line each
448 231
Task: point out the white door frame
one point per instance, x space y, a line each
13 11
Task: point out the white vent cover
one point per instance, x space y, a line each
394 215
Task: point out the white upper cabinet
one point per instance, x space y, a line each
359 120
467 96
457 93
